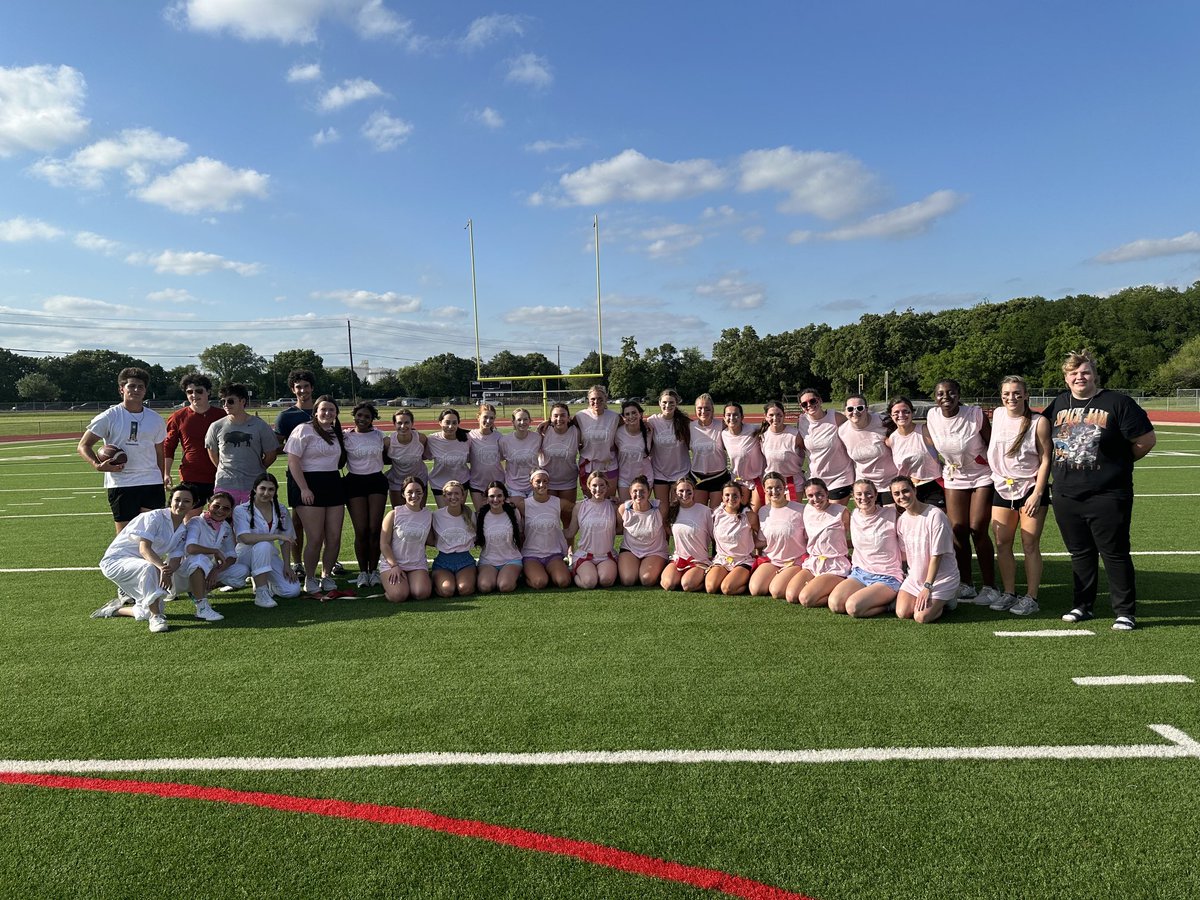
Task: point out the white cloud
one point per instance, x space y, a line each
191 262
1147 248
448 313
489 117
631 176
903 222
386 132
20 229
133 151
302 72
829 185
89 240
531 70
66 305
753 234
204 185
349 91
733 291
171 295
40 108
326 136
289 21
551 318
489 29
670 240
389 302
572 143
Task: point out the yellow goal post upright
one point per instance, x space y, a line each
544 379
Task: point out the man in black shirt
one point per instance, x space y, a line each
1098 435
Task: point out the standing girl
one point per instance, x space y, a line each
927 543
593 527
545 545
874 579
402 542
672 433
644 545
1020 452
560 456
316 451
406 450
746 462
913 453
449 451
519 449
864 435
736 538
366 489
634 442
782 524
782 448
598 433
498 534
258 526
690 524
828 562
709 473
961 435
483 455
827 456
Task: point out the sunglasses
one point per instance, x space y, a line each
856 409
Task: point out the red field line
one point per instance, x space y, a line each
597 854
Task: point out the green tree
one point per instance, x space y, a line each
275 381
629 377
1065 338
342 383
233 362
1180 371
12 367
695 374
739 371
591 363
91 374
976 365
36 386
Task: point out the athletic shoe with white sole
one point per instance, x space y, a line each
1003 603
328 584
205 612
965 592
312 586
375 580
338 570
363 580
299 570
109 609
1124 623
158 623
986 596
263 598
228 588
1025 606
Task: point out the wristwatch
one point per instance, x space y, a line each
929 585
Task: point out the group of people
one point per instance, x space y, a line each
703 504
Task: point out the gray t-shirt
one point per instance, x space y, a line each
240 449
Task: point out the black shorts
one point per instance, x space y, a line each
999 502
127 502
364 485
843 492
293 491
932 492
711 483
326 488
201 491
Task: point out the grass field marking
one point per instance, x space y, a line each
84 471
1171 453
51 515
1136 553
15 459
1109 680
1047 633
597 854
58 569
77 490
1141 496
1179 745
1142 467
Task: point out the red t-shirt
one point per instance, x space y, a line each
188 427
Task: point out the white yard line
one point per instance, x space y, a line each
1179 746
1047 633
57 569
53 515
1110 680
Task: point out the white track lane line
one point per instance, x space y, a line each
1110 680
1180 746
1047 633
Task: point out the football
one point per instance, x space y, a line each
110 453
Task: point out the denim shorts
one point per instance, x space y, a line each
453 562
868 578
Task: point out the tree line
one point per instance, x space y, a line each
1145 338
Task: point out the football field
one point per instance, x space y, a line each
619 743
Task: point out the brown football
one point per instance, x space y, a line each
110 453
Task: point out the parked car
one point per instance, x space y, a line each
415 402
282 401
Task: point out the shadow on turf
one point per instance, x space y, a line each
303 612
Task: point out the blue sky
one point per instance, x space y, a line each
177 175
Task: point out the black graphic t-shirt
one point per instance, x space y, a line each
1092 449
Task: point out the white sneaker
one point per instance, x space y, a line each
205 612
987 596
109 609
375 581
312 586
965 591
158 623
328 584
363 580
1026 606
263 598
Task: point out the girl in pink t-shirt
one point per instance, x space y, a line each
782 449
746 463
598 436
913 453
709 471
644 539
407 530
864 434
961 435
870 588
634 445
560 454
483 455
669 451
690 524
519 450
926 541
498 534
366 489
827 457
828 563
781 522
545 546
593 527
737 539
406 450
450 453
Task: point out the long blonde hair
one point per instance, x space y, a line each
1027 415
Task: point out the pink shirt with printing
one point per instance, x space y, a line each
876 548
783 527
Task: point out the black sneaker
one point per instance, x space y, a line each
338 570
298 568
1077 615
1124 623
